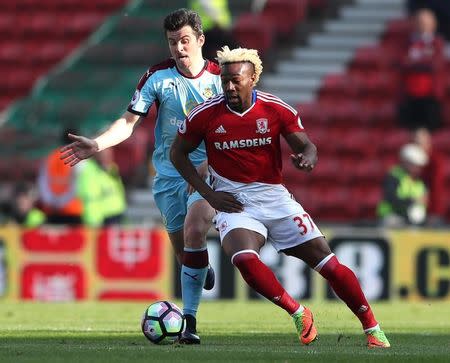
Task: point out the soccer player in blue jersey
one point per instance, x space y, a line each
176 86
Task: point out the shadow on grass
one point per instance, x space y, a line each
48 346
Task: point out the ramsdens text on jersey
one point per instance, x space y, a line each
240 144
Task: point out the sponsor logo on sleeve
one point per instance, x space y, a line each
135 97
182 127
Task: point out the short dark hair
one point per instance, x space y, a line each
182 17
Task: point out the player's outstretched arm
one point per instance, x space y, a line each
305 152
220 201
82 147
119 131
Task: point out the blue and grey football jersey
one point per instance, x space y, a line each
175 95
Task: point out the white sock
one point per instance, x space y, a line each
376 327
299 310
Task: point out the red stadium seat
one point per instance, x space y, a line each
446 111
356 145
39 33
101 6
254 31
446 85
369 172
371 57
6 25
5 101
342 115
284 14
41 26
47 54
311 114
11 53
446 172
5 168
80 6
18 82
384 115
327 171
394 139
441 140
336 205
326 140
83 24
317 6
24 169
375 83
306 196
132 153
337 85
398 30
367 198
291 175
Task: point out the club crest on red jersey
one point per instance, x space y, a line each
223 226
262 126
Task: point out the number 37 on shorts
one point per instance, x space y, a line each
304 223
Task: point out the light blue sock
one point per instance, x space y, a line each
192 281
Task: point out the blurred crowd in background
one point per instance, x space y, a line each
412 189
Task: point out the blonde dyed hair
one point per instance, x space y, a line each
227 55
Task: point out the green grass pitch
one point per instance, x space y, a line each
230 332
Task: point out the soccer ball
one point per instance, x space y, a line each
163 322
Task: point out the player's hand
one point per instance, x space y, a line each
302 162
202 170
224 202
81 148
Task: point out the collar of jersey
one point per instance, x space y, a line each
247 110
196 76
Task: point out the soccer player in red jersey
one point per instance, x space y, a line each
241 130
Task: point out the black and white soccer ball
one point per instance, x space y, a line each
163 322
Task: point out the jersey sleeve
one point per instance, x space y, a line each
290 121
144 96
193 127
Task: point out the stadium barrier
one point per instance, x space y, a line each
64 264
135 263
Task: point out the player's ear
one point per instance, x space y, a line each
201 40
253 79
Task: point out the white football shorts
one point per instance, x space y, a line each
273 214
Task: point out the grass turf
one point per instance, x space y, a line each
230 332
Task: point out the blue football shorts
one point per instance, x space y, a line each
173 201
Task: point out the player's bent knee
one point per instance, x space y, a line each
244 255
329 266
194 237
331 261
194 243
200 212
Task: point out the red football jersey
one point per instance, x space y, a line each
243 147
